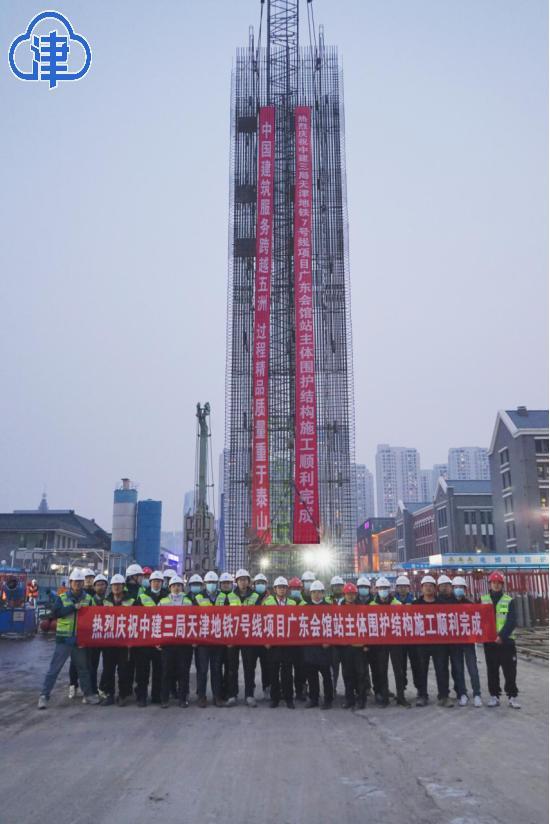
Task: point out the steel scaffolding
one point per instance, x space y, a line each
286 75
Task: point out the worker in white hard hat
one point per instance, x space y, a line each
166 575
334 597
227 584
89 576
176 658
138 655
281 658
383 653
101 583
409 652
260 653
307 579
208 657
317 658
428 588
450 654
134 581
116 660
65 610
243 595
460 592
364 595
149 664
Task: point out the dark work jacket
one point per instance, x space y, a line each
449 599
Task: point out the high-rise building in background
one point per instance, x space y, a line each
468 463
425 485
124 518
439 471
365 493
289 393
397 477
147 546
188 502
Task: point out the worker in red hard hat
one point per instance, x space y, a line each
354 660
502 652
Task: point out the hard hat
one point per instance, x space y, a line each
156 576
211 576
226 576
382 582
317 586
242 573
349 587
459 581
175 579
308 575
88 573
260 577
33 581
168 573
147 570
76 575
402 581
295 582
335 580
496 576
428 579
194 579
443 579
280 582
363 581
134 569
117 579
101 578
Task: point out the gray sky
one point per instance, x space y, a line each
114 236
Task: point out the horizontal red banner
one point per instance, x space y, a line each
295 626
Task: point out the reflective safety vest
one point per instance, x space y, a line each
167 602
126 602
235 600
146 601
271 601
66 625
204 601
501 608
393 602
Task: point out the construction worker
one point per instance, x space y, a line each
208 656
384 652
176 658
295 589
32 592
94 653
363 590
147 572
450 653
317 659
427 651
281 658
502 652
336 594
408 651
260 588
355 664
135 588
243 595
116 660
166 576
149 659
468 650
89 576
223 588
65 610
307 579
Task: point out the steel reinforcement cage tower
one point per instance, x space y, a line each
285 75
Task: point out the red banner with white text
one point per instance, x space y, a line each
261 520
306 473
280 626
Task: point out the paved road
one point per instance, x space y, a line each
80 764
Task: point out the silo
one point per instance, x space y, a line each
149 514
124 519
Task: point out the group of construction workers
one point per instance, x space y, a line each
288 673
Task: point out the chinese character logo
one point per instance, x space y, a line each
50 51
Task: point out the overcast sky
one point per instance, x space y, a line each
114 236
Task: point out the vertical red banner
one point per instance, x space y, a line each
306 472
261 520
